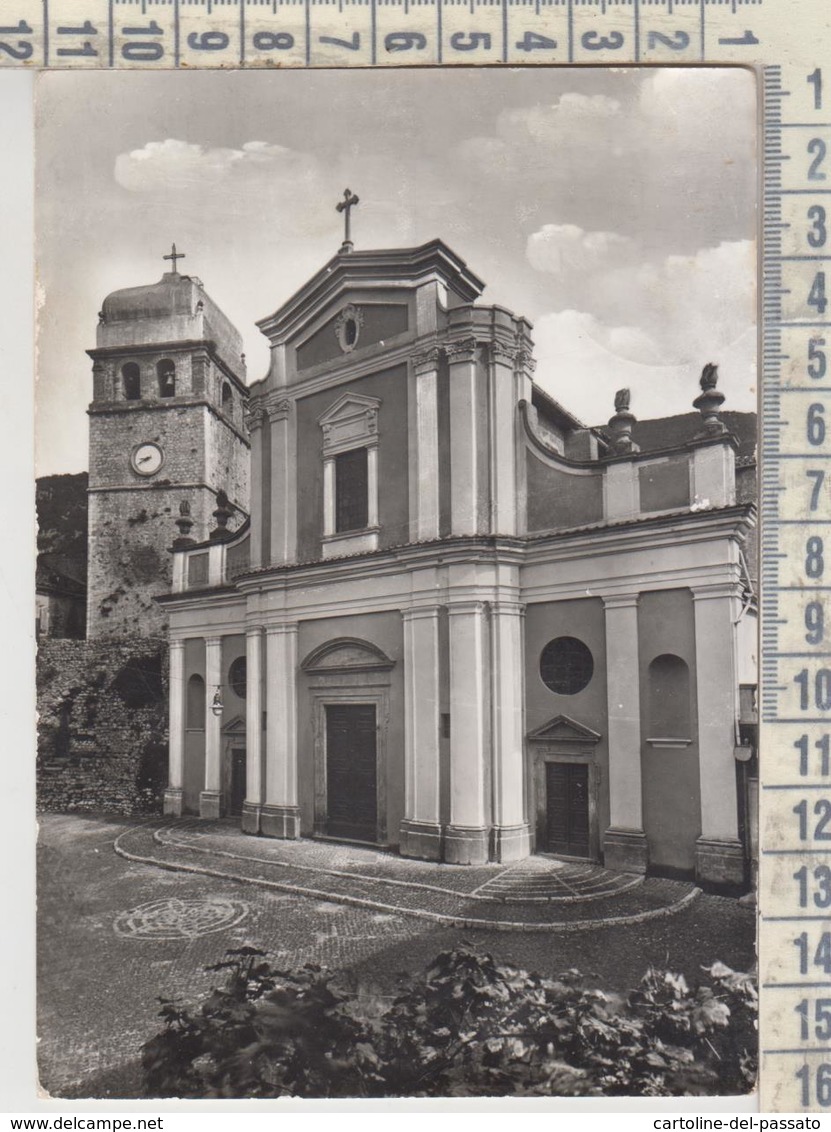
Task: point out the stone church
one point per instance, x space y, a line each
411 600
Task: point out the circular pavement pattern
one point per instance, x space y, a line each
179 919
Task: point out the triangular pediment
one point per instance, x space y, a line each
348 275
235 726
348 407
347 654
563 729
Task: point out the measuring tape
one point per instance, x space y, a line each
337 33
787 41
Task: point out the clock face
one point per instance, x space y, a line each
147 459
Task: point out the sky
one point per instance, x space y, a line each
613 208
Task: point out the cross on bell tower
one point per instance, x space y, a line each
345 206
174 255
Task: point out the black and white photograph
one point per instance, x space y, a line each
397 583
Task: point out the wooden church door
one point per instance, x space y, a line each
351 772
567 809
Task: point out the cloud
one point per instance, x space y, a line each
566 248
619 315
175 165
672 159
582 362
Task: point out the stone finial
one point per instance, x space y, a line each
709 402
222 514
184 523
621 424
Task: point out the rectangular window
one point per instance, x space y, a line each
351 490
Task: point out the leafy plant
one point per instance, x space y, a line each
467 1027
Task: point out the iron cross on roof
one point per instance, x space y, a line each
345 206
174 255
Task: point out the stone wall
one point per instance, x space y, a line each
102 725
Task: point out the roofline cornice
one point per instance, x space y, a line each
397 265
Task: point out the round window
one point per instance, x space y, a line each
237 676
350 332
566 666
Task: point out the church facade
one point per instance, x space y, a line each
457 622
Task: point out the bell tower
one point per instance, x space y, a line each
167 428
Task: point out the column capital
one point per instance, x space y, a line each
176 644
427 361
525 361
457 608
254 631
462 351
504 353
255 415
714 591
214 641
509 608
278 408
621 601
281 630
420 612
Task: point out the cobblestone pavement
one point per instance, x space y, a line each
536 895
114 934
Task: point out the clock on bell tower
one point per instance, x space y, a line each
167 426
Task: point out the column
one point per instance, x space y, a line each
421 830
511 836
624 842
210 800
253 731
280 815
465 443
372 485
427 446
503 466
329 496
466 837
283 482
174 792
719 856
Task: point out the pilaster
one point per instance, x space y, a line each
254 419
283 480
467 447
174 793
210 800
420 834
511 840
466 837
252 805
425 367
280 814
504 420
624 842
719 853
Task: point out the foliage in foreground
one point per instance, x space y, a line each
466 1027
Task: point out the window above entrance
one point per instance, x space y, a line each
350 475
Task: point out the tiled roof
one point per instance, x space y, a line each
673 432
